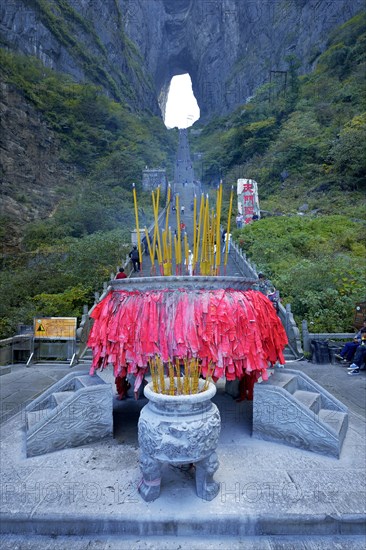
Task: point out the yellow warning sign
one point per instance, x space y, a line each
57 328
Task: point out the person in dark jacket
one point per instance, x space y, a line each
349 349
359 358
135 258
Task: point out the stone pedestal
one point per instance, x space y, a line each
179 429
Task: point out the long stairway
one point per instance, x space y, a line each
291 408
75 411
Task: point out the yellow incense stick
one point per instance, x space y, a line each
218 231
167 210
149 247
194 231
179 248
171 379
161 375
137 225
179 380
186 250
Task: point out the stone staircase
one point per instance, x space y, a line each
291 408
75 411
87 356
289 354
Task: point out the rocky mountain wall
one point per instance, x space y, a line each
84 38
134 47
33 178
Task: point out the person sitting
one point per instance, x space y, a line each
121 274
135 258
359 357
349 349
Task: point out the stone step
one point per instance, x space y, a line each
322 420
310 399
336 420
33 417
60 397
87 380
64 415
286 381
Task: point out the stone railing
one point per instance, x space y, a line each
249 269
6 351
86 323
17 343
308 336
127 265
292 331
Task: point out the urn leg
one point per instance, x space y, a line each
149 487
206 487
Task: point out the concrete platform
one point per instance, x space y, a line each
271 495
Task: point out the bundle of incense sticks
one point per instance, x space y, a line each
206 236
183 374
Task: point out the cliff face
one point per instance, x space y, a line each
229 47
84 38
132 49
32 175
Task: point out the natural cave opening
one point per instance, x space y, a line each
181 109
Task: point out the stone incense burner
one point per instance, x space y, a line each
179 429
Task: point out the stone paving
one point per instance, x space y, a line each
271 495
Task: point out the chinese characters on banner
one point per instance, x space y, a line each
248 203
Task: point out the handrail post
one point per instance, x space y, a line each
305 335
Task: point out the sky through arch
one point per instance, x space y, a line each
181 109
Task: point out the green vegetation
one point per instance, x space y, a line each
60 278
318 263
305 146
66 257
313 131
